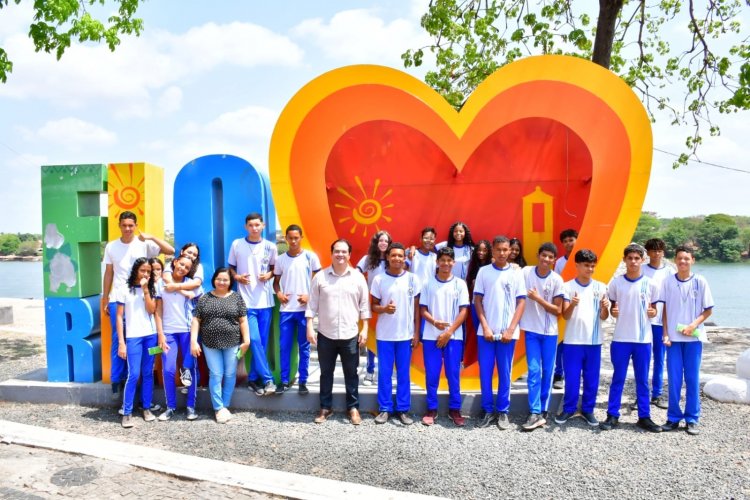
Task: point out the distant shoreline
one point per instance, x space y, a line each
20 258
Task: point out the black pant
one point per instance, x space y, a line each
328 350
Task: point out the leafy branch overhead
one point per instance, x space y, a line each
698 52
58 23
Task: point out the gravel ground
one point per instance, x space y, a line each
554 462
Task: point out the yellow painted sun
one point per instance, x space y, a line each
365 210
125 187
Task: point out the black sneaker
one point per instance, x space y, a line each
660 402
254 387
302 389
670 426
610 423
502 421
648 425
534 421
590 419
487 420
563 417
558 382
693 429
282 388
404 418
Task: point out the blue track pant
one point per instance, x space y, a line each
621 352
178 343
140 364
118 370
434 358
659 353
389 353
491 354
540 356
291 325
259 323
586 361
684 362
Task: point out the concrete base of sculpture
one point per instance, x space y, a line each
730 389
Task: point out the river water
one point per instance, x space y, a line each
730 284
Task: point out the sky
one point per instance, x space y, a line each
212 78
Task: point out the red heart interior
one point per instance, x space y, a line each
386 175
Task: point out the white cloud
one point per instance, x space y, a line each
75 133
361 36
15 18
130 79
249 122
170 100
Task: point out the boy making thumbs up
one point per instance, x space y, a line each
585 307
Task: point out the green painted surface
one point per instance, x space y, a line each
73 229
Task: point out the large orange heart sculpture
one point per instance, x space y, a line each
543 144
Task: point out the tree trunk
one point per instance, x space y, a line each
605 31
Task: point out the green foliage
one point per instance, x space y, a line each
9 244
718 239
27 248
58 23
711 63
649 226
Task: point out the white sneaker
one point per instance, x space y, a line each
168 414
369 379
223 416
186 378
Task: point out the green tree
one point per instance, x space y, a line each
9 244
473 38
718 238
679 232
58 23
27 248
649 226
745 239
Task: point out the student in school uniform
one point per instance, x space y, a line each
135 304
119 256
544 299
586 306
444 303
174 314
293 273
632 296
423 261
252 258
500 299
460 240
688 303
657 270
568 238
372 264
395 298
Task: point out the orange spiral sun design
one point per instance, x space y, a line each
125 190
366 210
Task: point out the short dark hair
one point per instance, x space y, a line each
500 239
655 244
342 240
128 215
586 255
547 247
568 233
685 248
446 251
253 215
293 227
633 248
428 229
395 246
220 270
